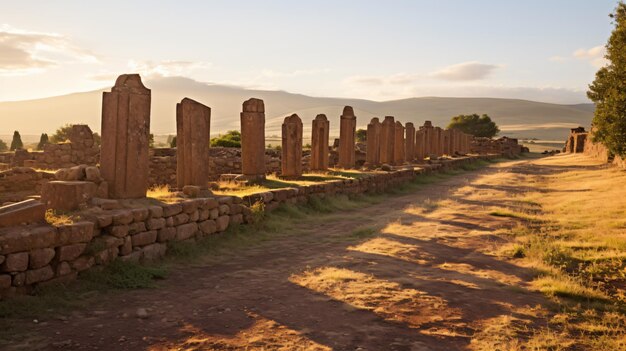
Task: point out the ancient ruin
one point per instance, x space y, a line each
347 130
372 156
420 148
125 137
387 140
398 144
291 147
193 126
319 143
428 132
409 142
253 139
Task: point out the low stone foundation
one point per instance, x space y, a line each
17 183
33 255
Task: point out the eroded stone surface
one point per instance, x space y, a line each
253 138
387 140
125 137
319 143
347 130
193 127
291 160
372 154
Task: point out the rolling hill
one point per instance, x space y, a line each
517 118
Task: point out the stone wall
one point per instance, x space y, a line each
504 146
32 255
19 182
222 160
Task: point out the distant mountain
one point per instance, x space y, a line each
518 118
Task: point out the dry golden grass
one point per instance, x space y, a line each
162 193
264 334
570 214
57 218
387 299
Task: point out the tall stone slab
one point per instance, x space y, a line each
125 137
372 154
291 159
319 143
409 142
253 139
419 145
193 129
428 130
347 130
398 144
436 146
445 135
387 140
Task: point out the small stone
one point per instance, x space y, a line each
142 313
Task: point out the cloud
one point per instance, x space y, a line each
595 55
269 73
557 58
24 52
466 71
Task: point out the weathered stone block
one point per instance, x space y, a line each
79 232
27 238
154 251
166 234
119 231
41 257
83 263
29 211
222 222
319 143
186 231
172 209
16 262
5 281
144 238
39 275
125 137
155 223
208 226
70 252
193 122
67 195
291 159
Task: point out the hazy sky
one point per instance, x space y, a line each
544 50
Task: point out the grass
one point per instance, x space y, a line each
162 193
571 234
58 218
119 275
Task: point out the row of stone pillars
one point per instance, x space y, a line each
126 130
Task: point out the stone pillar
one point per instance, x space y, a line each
428 138
125 138
193 123
347 129
437 141
372 154
291 158
319 143
419 145
387 139
410 142
445 135
253 139
398 144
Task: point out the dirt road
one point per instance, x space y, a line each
412 272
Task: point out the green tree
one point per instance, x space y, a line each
361 135
173 142
232 138
43 140
151 140
3 146
608 90
480 126
16 143
61 134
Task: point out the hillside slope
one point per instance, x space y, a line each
520 118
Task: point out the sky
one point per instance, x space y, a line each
546 50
